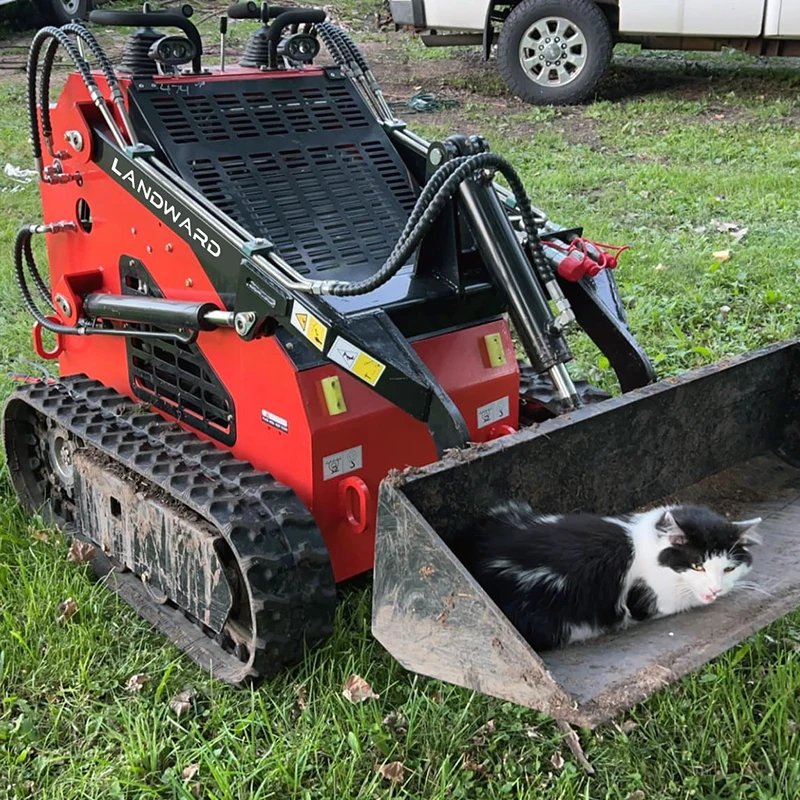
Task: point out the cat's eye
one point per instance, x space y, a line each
729 569
698 568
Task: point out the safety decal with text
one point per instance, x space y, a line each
309 326
493 412
274 420
342 463
355 360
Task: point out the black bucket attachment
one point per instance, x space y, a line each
727 436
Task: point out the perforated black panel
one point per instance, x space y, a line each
300 161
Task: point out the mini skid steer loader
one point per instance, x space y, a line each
281 321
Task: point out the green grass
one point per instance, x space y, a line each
657 169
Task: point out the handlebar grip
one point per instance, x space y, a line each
161 18
248 10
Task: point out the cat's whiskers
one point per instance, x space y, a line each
750 586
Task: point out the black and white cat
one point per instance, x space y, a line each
561 579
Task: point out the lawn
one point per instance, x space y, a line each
677 158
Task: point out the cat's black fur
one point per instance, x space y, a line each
589 558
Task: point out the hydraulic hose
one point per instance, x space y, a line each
438 191
103 60
24 254
81 66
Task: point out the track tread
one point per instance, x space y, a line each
277 544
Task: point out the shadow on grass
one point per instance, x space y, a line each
641 75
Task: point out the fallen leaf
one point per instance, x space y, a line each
393 771
481 737
637 795
135 682
40 536
474 766
80 552
532 733
722 255
739 235
181 704
557 760
67 609
644 194
727 227
629 726
190 771
397 722
659 268
302 697
197 789
357 690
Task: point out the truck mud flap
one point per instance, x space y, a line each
726 435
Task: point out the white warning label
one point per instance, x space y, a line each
341 463
355 360
274 420
493 412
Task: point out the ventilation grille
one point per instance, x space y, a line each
303 164
175 378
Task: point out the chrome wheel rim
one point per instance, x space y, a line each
552 51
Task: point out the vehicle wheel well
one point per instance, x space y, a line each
498 10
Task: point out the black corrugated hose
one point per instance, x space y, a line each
441 187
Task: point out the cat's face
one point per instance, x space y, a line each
708 552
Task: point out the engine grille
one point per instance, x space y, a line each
174 377
300 161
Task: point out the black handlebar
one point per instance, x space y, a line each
252 10
291 16
249 10
164 18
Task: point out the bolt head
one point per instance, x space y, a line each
168 248
189 283
133 231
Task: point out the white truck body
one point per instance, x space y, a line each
707 18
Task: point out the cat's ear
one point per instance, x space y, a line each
670 529
747 531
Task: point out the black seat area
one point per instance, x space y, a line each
298 160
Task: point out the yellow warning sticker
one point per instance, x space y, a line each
368 369
309 326
355 360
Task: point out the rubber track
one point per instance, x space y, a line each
278 546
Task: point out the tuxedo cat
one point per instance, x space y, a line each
564 578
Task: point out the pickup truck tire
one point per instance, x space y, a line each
60 12
554 52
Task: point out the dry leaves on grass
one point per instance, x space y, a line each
733 229
182 703
722 255
637 795
393 771
136 682
80 552
190 771
40 536
483 734
67 609
557 760
357 690
396 722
